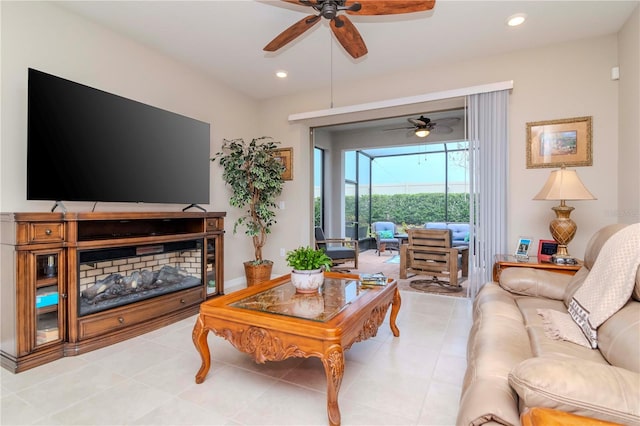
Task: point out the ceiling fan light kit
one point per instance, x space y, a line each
423 126
341 26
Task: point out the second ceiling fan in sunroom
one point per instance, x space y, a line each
423 126
342 27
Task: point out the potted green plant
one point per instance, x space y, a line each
255 177
308 268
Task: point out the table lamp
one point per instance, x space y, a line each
563 185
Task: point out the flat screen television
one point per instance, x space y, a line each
84 144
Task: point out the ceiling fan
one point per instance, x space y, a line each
341 25
423 126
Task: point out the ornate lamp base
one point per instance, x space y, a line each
563 229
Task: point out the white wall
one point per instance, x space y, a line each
629 120
46 37
559 81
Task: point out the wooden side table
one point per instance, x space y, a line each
504 261
537 416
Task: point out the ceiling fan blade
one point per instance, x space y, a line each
348 36
291 33
397 128
390 7
302 3
441 129
447 121
418 121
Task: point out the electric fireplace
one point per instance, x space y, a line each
117 276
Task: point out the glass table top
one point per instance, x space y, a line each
334 295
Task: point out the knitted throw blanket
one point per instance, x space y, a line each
605 290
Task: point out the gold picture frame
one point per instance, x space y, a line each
559 142
285 155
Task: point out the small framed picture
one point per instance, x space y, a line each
285 156
546 249
522 249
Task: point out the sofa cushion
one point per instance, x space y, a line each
541 345
435 225
578 386
497 341
534 282
574 284
619 337
597 241
459 231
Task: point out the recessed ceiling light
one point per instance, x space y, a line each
281 74
517 19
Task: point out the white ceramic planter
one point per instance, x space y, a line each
307 281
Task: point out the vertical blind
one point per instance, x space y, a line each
488 118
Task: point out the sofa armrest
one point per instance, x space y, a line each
577 386
534 282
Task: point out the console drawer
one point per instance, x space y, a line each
46 232
136 313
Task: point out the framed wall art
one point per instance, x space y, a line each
559 142
285 155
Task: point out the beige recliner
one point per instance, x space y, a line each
513 366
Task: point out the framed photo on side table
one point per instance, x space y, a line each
522 249
559 142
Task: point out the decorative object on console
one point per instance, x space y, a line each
563 185
559 142
546 249
308 268
256 179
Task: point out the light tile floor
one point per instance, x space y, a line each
149 380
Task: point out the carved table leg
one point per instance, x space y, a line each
395 308
199 336
333 362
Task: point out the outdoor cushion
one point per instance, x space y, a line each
385 234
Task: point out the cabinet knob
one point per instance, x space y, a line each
182 301
121 320
47 231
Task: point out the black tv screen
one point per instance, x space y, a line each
85 144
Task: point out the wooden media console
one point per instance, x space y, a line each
75 282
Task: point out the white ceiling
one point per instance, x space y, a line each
225 38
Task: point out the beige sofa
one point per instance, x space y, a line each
512 365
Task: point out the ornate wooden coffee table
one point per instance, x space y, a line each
270 322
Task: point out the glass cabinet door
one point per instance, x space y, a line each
210 265
48 297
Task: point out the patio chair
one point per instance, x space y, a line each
340 250
385 236
429 252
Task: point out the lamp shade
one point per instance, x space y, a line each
564 184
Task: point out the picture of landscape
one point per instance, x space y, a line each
559 143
